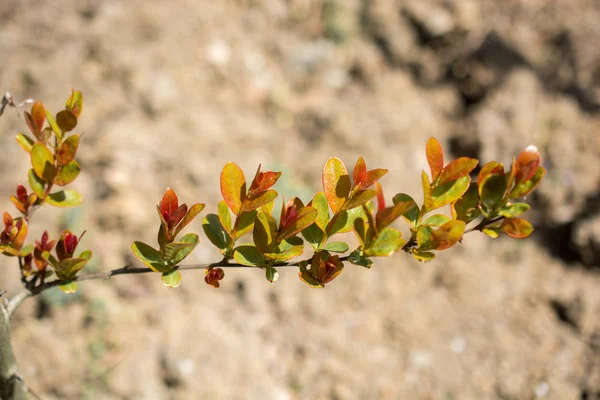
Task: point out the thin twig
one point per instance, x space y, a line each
7 100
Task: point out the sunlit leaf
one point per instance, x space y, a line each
75 103
190 215
233 186
336 183
449 192
527 164
363 178
387 242
53 125
25 142
151 257
423 256
244 224
38 115
493 233
262 181
171 279
344 221
183 248
271 274
449 234
42 162
359 198
517 228
319 203
305 217
427 199
67 150
436 220
458 168
64 198
388 215
247 254
527 187
435 157
224 215
514 210
68 287
490 168
336 247
425 238
287 249
67 173
253 203
412 213
37 184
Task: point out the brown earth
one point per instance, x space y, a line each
173 90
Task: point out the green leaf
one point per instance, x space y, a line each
215 232
425 238
149 256
75 103
68 268
250 204
492 191
336 247
388 215
53 124
69 287
423 256
527 187
64 198
192 212
67 174
435 157
387 242
233 186
265 233
493 233
412 214
344 221
271 274
176 252
37 184
248 254
357 257
42 162
517 228
67 150
513 210
436 220
459 168
336 183
319 203
363 231
359 198
244 224
25 142
467 207
314 236
224 215
449 192
287 249
171 279
490 168
66 120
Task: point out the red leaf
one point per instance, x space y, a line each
435 157
169 203
262 181
359 174
528 163
380 198
457 169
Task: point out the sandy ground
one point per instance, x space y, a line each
173 90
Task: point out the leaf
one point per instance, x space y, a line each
262 181
37 184
517 228
493 233
67 150
359 198
171 279
412 213
215 232
436 220
53 125
435 157
314 236
363 178
305 217
514 210
248 254
254 203
449 234
364 232
271 274
336 247
527 164
224 216
492 191
524 188
265 233
425 238
42 162
344 221
244 224
336 183
358 258
69 287
67 269
168 204
75 103
467 207
186 245
319 203
67 173
190 215
38 115
149 256
64 198
387 242
423 256
66 121
306 277
387 216
490 168
25 142
427 199
233 186
287 249
458 168
449 192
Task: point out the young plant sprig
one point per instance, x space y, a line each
490 203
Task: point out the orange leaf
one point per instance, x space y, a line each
457 169
527 164
262 181
233 186
435 157
360 172
169 203
38 113
449 234
517 228
490 168
336 183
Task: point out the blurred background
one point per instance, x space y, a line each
174 89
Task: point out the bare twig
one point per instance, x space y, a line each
7 100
